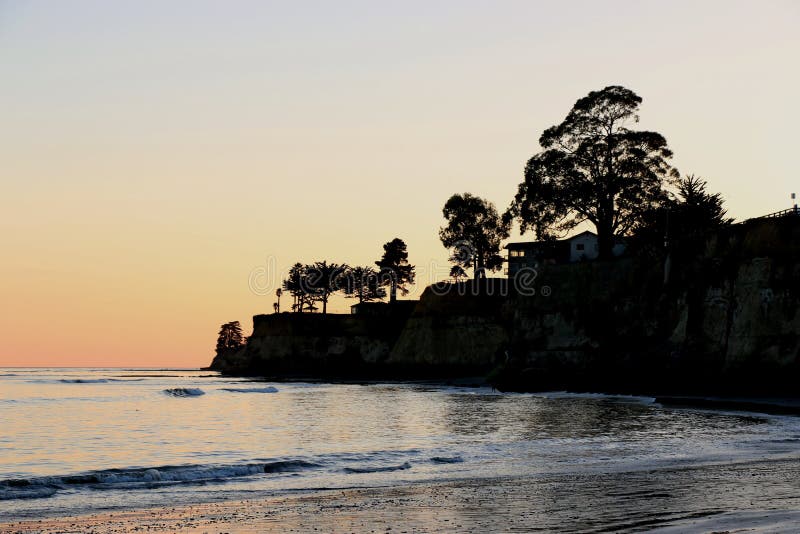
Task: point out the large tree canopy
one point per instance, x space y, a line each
473 232
594 168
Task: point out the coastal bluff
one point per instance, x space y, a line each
723 318
433 337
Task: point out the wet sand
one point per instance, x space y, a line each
761 496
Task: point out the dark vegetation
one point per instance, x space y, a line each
474 232
230 338
313 284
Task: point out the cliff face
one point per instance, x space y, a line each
743 311
313 344
462 327
726 319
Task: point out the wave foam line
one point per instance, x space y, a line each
143 477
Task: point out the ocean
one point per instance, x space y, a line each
75 441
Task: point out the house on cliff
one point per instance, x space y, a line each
580 247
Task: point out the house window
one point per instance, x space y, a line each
579 246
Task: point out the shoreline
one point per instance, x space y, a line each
711 497
785 405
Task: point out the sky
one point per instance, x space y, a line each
163 163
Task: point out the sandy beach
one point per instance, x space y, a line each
720 498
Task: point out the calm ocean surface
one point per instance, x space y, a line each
78 440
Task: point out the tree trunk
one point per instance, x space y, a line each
478 269
393 292
605 242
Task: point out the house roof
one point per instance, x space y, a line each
585 232
520 245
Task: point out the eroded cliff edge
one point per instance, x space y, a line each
726 320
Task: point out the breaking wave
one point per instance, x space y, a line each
184 392
84 380
269 389
447 460
400 467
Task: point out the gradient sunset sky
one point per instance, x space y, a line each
157 154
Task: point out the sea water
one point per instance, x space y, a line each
83 440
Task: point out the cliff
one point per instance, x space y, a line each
726 320
456 329
309 344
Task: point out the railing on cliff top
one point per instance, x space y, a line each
795 211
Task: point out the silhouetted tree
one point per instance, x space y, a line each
594 168
278 293
699 211
298 284
363 283
325 279
683 222
457 273
230 337
474 231
395 271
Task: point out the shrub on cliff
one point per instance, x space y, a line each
230 337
